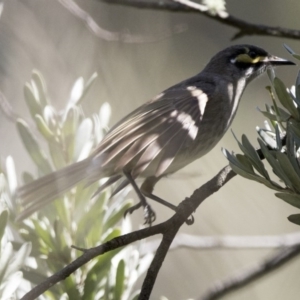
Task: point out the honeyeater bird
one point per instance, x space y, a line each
175 128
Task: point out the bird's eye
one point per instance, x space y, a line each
252 54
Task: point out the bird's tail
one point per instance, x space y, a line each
40 192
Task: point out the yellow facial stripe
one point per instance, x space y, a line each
245 58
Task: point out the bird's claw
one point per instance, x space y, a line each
149 214
190 220
131 209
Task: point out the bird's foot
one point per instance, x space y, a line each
149 214
190 220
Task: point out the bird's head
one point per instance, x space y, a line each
244 61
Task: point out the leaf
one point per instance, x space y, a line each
5 259
104 114
273 162
3 222
11 285
285 98
19 259
11 175
37 154
120 280
32 102
251 153
297 90
87 87
267 137
83 141
43 127
240 169
292 199
289 49
269 115
289 171
294 219
297 56
40 84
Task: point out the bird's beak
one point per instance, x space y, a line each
277 61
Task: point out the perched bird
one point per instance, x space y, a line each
178 126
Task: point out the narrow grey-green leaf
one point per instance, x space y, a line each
32 147
245 161
297 56
285 98
40 83
292 199
11 175
252 154
87 87
289 49
5 259
297 89
31 101
120 280
57 154
267 137
43 128
3 222
294 219
289 171
19 258
278 138
284 116
269 115
274 163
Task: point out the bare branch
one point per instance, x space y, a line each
125 37
244 28
168 229
185 209
183 240
261 269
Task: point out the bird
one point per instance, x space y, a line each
172 130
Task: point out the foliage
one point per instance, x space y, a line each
11 262
279 144
76 218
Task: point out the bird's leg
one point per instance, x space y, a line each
149 214
147 189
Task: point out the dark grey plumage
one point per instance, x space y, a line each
165 134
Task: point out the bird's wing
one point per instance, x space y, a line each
156 130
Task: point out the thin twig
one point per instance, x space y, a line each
245 277
124 36
194 242
244 28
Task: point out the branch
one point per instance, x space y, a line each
125 37
168 229
221 289
194 242
244 28
185 209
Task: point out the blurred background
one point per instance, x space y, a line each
44 35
